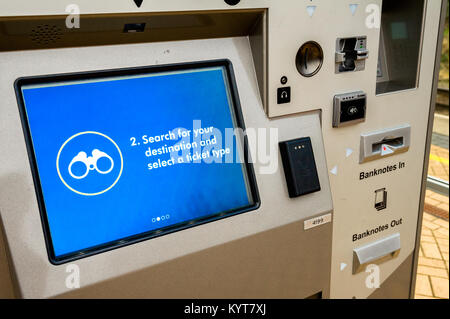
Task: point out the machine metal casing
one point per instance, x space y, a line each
276 256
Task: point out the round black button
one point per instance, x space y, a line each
232 2
284 80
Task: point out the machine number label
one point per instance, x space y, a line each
317 221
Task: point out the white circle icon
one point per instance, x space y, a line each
78 170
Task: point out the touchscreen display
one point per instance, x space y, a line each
125 155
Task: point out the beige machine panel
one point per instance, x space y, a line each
277 211
399 173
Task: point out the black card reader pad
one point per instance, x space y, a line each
299 167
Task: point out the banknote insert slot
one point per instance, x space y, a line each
393 142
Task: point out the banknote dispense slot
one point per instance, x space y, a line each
376 252
384 143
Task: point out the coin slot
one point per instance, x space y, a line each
309 59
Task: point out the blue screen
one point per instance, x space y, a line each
118 157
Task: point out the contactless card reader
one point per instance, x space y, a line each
349 108
299 167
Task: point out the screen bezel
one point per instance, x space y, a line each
92 75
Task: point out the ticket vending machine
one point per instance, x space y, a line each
214 149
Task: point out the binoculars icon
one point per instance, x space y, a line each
90 163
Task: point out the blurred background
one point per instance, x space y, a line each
432 273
